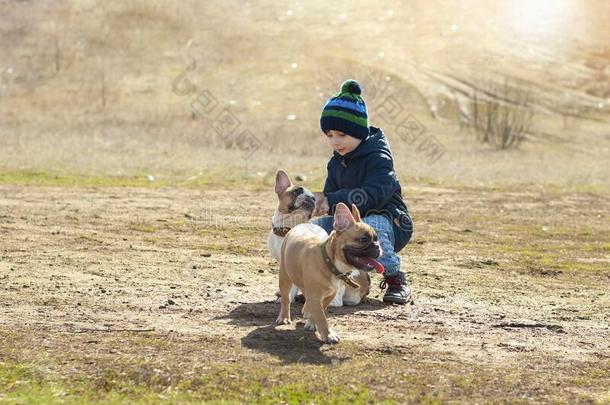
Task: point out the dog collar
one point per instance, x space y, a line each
333 269
280 231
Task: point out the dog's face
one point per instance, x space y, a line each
356 243
293 199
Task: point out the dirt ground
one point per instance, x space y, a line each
511 297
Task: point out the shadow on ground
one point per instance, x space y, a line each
265 312
289 343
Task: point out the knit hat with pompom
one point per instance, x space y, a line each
346 112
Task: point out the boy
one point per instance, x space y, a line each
361 172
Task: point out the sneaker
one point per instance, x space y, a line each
398 291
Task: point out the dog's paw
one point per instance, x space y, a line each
282 320
309 325
336 303
332 337
351 301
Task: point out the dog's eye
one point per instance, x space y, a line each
375 238
364 239
297 192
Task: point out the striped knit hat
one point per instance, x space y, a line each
346 112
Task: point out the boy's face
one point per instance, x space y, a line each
342 143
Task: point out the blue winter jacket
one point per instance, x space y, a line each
366 177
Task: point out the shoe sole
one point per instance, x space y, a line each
401 301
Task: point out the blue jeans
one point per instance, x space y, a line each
383 227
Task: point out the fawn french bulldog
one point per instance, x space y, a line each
296 206
319 265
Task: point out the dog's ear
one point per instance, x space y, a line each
343 218
282 181
356 213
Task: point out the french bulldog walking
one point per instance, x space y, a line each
318 265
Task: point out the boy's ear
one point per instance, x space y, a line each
356 213
343 218
282 181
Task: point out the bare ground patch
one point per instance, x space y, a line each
174 288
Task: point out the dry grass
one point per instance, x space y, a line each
502 115
107 106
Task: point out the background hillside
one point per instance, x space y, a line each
168 88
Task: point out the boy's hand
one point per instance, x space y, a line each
321 205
